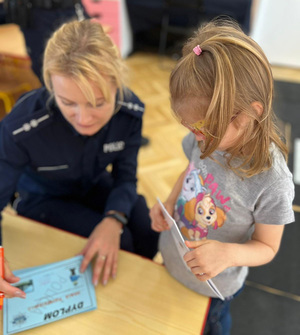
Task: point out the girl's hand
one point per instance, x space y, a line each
211 257
158 223
104 243
207 259
5 287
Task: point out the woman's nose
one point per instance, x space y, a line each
83 115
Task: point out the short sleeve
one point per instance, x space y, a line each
188 144
275 204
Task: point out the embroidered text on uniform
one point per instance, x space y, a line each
113 146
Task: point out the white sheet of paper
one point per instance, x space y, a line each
181 246
178 239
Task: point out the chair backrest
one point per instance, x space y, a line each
16 75
16 78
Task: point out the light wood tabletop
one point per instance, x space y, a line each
143 299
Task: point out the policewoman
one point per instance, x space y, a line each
70 149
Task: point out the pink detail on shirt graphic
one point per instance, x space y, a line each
196 209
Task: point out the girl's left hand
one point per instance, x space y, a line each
207 259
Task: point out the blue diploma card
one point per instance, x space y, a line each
53 292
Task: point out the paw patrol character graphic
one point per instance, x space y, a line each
192 186
201 212
195 210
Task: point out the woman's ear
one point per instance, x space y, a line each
257 106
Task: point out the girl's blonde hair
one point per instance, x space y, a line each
82 50
229 75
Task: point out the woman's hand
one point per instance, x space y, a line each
207 259
158 222
104 243
5 287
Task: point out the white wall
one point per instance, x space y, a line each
276 28
126 32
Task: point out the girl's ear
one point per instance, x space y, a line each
257 106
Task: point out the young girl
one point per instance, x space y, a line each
234 198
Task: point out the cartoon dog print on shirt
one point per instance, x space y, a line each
202 213
192 185
196 209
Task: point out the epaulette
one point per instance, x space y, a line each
29 126
21 127
132 105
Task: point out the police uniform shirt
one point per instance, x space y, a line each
41 153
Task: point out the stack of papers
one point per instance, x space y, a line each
181 246
53 292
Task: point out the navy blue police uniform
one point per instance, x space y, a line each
68 180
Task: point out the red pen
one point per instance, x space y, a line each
1 273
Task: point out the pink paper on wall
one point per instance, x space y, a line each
108 14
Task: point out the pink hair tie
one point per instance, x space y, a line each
197 50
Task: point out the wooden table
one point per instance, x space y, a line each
143 299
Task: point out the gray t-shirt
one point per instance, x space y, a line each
215 203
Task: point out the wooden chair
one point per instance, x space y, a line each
16 78
16 75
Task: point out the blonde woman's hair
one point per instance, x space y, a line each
83 51
229 75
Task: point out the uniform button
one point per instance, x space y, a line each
136 107
129 105
34 123
26 126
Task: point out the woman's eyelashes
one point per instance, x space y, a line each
73 104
